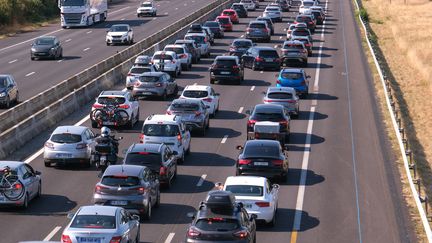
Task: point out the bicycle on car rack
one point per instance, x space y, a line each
109 115
10 185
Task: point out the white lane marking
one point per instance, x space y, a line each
60 60
240 109
176 8
252 88
13 61
280 37
29 74
169 238
275 46
89 32
88 48
241 36
224 139
118 10
123 19
201 180
261 71
52 233
166 13
68 40
154 18
195 83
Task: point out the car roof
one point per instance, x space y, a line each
113 93
228 9
268 107
120 25
196 34
245 180
174 46
258 22
148 2
128 170
292 70
70 129
10 163
155 118
197 87
145 147
171 53
46 37
280 89
98 210
262 142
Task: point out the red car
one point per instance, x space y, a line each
225 22
232 14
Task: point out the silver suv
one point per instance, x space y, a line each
194 113
155 84
294 51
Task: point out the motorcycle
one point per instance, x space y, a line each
105 154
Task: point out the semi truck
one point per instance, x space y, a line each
75 13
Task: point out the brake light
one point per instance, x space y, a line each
158 84
248 29
244 161
116 239
291 101
265 30
49 145
193 233
98 189
208 99
183 56
277 60
232 48
144 153
163 170
278 81
179 138
268 100
277 162
283 122
251 123
263 204
242 234
66 239
141 138
97 106
259 59
124 106
173 61
197 113
81 146
205 39
141 190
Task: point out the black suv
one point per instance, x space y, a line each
271 113
215 28
220 219
239 47
261 57
240 9
195 28
227 68
269 23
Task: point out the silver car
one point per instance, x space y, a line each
133 187
69 145
102 224
19 184
155 84
194 113
184 57
284 96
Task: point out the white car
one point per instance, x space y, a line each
273 12
146 8
119 34
167 61
185 58
126 106
305 5
249 5
167 129
204 93
202 41
257 195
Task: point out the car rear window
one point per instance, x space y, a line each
242 43
124 181
177 50
293 47
148 79
217 224
94 221
228 13
280 95
139 70
212 24
151 160
163 56
258 151
267 116
195 93
290 75
225 63
305 41
197 39
160 130
184 107
245 190
300 32
257 25
223 20
111 100
66 138
270 53
303 19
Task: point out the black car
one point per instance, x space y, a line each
8 90
216 28
271 113
263 158
157 157
46 47
283 4
192 48
261 57
195 28
269 23
220 219
309 20
240 9
226 68
239 47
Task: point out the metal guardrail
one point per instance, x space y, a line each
406 152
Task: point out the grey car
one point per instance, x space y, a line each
192 48
194 113
284 96
46 47
155 84
10 172
102 224
69 145
294 52
258 31
133 187
8 91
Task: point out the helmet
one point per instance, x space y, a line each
105 132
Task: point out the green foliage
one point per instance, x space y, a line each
25 11
364 14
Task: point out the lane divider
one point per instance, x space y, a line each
52 233
89 32
252 88
224 139
29 74
169 238
13 61
241 109
201 180
88 48
68 40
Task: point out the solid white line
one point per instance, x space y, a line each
241 36
60 60
166 13
13 61
261 71
29 74
176 8
68 40
52 233
252 88
169 238
275 46
118 10
154 18
201 180
88 32
224 139
241 109
88 48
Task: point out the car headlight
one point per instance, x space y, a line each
2 94
33 49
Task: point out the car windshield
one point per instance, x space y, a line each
160 130
94 221
291 75
72 2
163 56
259 151
279 95
217 224
3 82
66 138
223 20
270 53
111 100
245 190
303 19
139 70
151 160
125 181
225 63
267 116
242 44
184 107
146 5
227 13
148 79
119 28
195 93
44 41
177 50
300 33
257 25
196 38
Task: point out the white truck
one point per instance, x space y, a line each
74 13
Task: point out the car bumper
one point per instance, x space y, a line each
147 92
287 60
225 77
42 54
116 40
4 202
268 172
145 13
265 214
270 65
134 204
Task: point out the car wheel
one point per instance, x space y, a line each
26 201
47 164
190 66
175 93
7 102
181 160
138 238
137 118
237 172
107 44
212 81
148 213
287 138
32 58
208 124
94 124
39 192
164 96
272 223
175 73
157 204
61 54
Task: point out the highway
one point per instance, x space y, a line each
343 185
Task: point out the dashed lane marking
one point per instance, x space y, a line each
224 139
52 233
13 61
201 180
29 74
252 88
169 238
88 48
240 109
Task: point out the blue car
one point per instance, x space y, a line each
294 78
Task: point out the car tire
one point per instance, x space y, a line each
147 215
208 124
32 58
107 44
175 92
189 66
272 223
203 131
47 164
17 98
188 150
137 116
287 138
237 173
157 203
26 202
7 103
164 96
39 192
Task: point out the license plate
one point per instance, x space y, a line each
108 123
63 155
88 239
119 203
247 205
261 163
146 93
225 72
268 59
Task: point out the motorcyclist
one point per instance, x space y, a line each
107 138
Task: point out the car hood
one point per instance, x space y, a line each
117 33
42 47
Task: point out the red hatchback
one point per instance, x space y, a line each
225 22
232 14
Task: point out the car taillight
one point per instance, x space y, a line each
173 61
278 162
265 30
283 122
242 234
244 161
251 123
81 146
268 100
278 81
259 59
183 56
248 29
116 239
49 145
97 106
307 44
137 84
140 190
158 84
98 189
193 233
205 39
163 170
263 204
179 138
197 113
141 138
66 239
277 60
124 106
291 101
208 99
129 74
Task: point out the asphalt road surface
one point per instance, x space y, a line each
343 185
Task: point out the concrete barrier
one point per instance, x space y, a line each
49 115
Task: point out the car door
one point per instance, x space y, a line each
11 88
133 226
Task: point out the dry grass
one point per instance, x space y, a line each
7 31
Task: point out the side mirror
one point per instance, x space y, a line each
38 173
253 217
239 147
219 185
191 215
70 215
136 217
